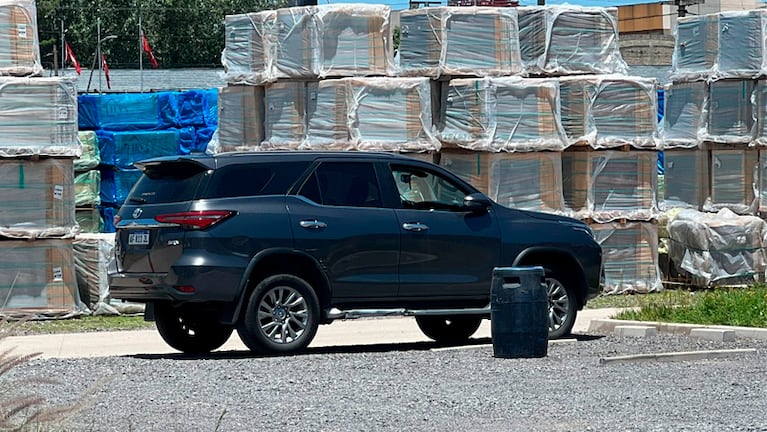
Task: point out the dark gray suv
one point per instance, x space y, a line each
274 244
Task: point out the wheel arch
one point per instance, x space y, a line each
281 261
554 258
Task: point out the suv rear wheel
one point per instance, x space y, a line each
448 329
562 310
189 332
282 316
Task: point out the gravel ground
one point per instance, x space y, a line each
412 387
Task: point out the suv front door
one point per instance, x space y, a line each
338 218
446 250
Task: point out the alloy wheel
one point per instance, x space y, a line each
559 303
283 315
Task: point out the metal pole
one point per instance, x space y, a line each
140 55
63 49
98 49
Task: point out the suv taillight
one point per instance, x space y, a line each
195 219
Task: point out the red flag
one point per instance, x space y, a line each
71 58
148 50
105 68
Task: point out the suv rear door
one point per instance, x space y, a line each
145 245
338 218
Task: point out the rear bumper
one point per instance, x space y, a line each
143 287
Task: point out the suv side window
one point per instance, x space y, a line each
351 184
422 189
254 179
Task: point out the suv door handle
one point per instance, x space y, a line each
415 226
312 224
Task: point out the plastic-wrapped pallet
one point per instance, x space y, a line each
560 40
467 105
37 279
353 40
730 44
611 185
116 184
734 181
87 187
246 43
92 253
90 157
122 149
392 114
478 41
683 120
38 116
718 247
686 179
38 198
471 166
761 113
697 44
630 254
762 174
128 111
731 112
89 220
526 116
240 119
608 111
284 115
19 47
291 49
327 116
529 181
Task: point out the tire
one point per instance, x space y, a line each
282 316
449 329
562 301
188 332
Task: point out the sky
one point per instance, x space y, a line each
405 4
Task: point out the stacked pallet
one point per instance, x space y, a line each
117 130
714 127
38 142
320 78
539 123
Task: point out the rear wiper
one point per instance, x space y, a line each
137 200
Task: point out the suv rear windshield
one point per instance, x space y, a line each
255 179
167 182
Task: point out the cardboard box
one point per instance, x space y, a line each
687 178
630 255
38 277
240 119
19 46
327 115
284 115
246 46
38 198
734 180
683 116
527 181
466 113
472 166
731 112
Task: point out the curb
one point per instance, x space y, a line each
607 326
680 356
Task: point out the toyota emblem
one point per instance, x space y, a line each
137 213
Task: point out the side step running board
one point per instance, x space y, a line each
364 313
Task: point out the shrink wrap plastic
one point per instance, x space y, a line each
90 157
686 174
734 181
19 46
92 253
528 181
683 121
630 255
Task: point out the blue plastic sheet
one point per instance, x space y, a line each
107 214
203 137
129 111
191 108
211 107
122 149
116 184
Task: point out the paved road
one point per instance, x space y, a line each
340 333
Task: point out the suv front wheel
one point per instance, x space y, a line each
189 332
562 310
282 316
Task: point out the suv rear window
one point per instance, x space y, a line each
255 179
167 182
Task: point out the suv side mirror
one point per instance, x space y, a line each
477 203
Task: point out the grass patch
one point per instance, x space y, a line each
745 307
82 324
675 297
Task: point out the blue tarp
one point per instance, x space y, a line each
116 184
211 107
122 149
119 112
191 108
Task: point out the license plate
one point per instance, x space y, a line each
138 238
